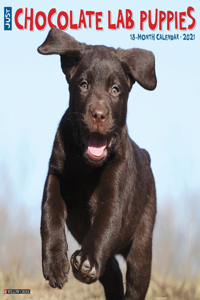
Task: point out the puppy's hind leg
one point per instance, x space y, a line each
112 281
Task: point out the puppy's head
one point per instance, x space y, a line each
100 79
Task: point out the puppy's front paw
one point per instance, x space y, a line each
84 267
56 268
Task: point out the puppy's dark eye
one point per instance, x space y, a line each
84 86
114 90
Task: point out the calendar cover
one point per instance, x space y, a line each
164 120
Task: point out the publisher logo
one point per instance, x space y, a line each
7 18
17 291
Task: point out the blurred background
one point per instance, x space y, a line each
34 96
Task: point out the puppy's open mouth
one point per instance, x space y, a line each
96 146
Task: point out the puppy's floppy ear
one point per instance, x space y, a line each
59 42
139 64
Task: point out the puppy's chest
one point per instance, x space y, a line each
82 201
79 190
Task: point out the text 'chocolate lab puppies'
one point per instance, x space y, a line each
99 181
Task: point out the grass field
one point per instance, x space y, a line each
74 290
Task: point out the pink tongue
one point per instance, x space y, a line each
96 144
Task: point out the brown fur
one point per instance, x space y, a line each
109 201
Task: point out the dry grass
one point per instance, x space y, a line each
74 290
40 289
174 289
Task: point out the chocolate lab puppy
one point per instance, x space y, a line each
99 181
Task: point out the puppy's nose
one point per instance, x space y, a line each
98 115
